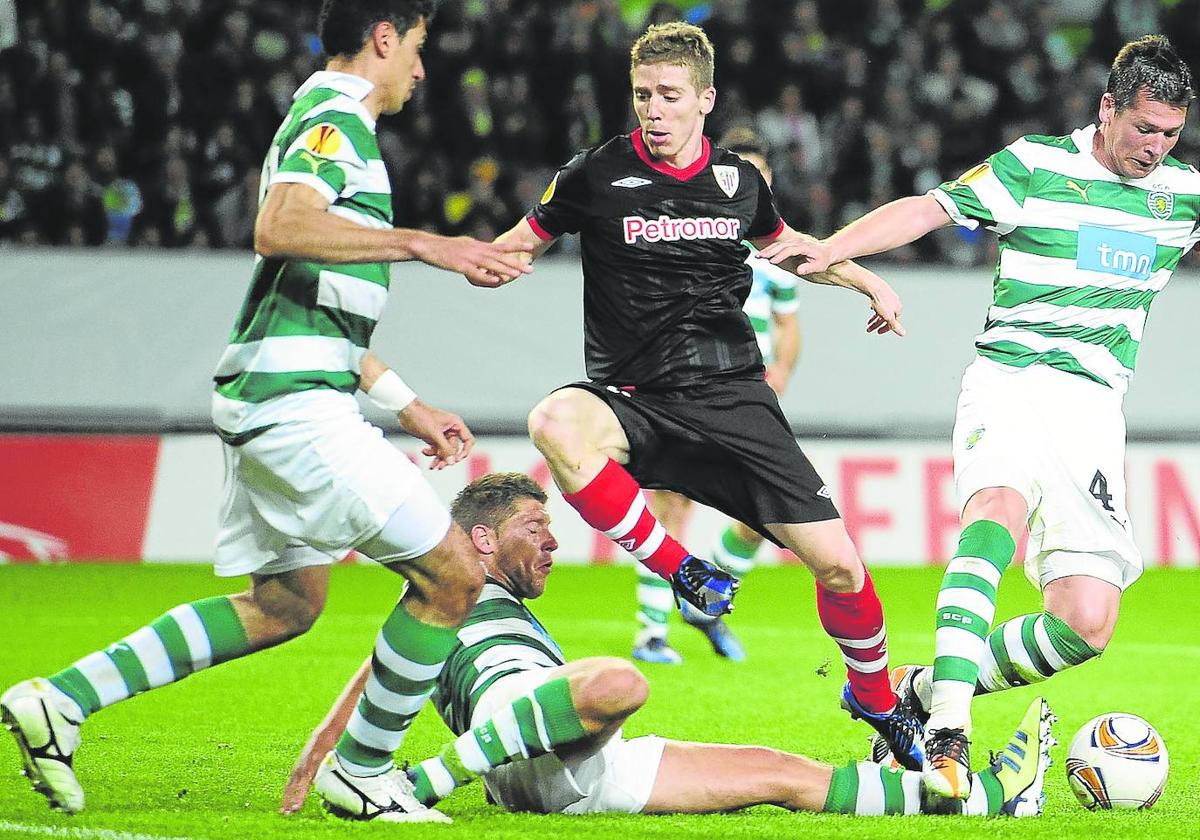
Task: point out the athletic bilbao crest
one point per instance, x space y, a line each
728 179
1161 203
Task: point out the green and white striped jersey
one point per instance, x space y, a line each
304 327
500 637
773 292
1083 251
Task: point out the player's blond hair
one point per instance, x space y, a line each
676 43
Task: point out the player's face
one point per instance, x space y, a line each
404 68
1134 141
670 110
524 554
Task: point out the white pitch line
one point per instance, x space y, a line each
80 833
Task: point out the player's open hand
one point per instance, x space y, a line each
449 439
487 264
886 307
813 254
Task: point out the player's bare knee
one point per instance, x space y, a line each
554 425
610 691
1093 623
844 573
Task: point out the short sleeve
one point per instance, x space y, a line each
991 194
767 222
324 155
563 206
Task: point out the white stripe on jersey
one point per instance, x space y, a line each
351 294
287 353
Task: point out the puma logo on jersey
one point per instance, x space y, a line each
311 160
666 229
1083 191
631 182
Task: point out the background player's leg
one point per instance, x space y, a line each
580 706
655 599
736 548
584 446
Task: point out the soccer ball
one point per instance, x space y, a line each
1117 760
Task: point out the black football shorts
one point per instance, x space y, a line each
724 444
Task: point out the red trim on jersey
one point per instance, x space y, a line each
775 233
544 234
639 146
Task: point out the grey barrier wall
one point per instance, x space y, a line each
127 340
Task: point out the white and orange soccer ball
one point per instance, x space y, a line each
1117 760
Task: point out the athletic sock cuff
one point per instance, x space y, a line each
558 710
1070 645
843 790
226 634
988 540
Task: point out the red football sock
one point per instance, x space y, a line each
612 502
855 621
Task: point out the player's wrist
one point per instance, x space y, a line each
391 393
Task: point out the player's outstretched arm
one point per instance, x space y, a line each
322 740
293 224
894 224
449 438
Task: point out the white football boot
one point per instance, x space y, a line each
42 722
387 797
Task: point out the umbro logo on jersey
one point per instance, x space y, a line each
666 229
631 182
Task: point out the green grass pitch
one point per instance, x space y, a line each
208 757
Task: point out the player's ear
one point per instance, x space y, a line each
1108 107
484 539
708 100
384 38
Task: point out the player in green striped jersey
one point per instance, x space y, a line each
307 478
1091 226
771 307
545 733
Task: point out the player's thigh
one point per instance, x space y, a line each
671 509
576 419
824 547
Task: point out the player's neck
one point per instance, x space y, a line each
686 156
358 66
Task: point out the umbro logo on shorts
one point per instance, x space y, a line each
824 492
631 182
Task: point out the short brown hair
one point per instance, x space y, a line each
1150 63
679 43
492 498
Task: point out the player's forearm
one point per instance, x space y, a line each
785 343
894 224
522 234
302 233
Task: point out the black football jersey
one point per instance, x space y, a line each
664 266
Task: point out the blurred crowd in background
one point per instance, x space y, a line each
144 122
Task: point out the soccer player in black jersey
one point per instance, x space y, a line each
676 397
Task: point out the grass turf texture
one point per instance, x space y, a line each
208 757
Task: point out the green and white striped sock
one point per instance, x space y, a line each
409 655
187 639
529 727
966 606
1028 649
872 790
655 602
734 554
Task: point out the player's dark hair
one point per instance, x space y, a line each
743 140
676 43
491 499
344 26
1150 62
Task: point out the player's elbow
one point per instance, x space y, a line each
269 236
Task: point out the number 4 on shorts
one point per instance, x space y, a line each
1099 489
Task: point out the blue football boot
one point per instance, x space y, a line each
901 728
707 588
724 642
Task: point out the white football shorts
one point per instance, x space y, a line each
1059 440
308 491
615 777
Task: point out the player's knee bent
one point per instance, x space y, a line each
287 616
1091 622
611 691
554 426
843 573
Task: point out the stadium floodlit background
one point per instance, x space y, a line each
131 136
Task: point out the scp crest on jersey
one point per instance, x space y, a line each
323 139
727 177
1161 203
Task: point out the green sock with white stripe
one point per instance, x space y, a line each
872 790
966 606
1029 649
187 639
531 726
655 602
409 655
734 554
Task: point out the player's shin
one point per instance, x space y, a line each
854 620
1029 649
530 726
186 639
409 655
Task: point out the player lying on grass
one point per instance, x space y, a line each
545 734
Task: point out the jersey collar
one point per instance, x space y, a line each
688 172
347 84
